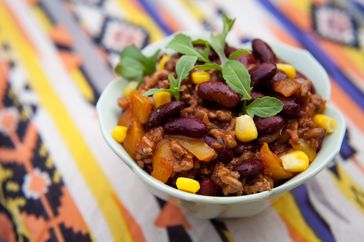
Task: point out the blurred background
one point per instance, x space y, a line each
60 182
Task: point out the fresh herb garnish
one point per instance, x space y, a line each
237 77
264 107
183 44
134 65
218 41
208 66
238 53
183 67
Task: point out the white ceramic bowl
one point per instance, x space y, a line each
237 206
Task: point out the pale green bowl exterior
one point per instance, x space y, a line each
237 206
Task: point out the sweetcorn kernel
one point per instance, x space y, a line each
295 161
245 129
199 77
187 184
161 98
163 61
325 122
119 133
130 88
288 69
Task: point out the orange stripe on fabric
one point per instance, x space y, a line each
282 35
337 52
18 26
300 18
4 71
347 106
169 19
357 163
339 55
135 230
171 215
295 236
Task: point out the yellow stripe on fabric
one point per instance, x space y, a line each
43 19
349 188
356 55
86 162
194 10
83 85
139 17
287 208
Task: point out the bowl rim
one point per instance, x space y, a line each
158 185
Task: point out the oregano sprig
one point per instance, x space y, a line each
183 67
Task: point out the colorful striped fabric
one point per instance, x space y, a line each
60 182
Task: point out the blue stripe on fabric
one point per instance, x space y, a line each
317 224
153 13
307 41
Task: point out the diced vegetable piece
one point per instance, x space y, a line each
245 129
305 147
161 98
134 134
286 87
198 148
273 165
162 161
199 77
187 184
163 61
126 118
119 133
140 106
130 88
325 122
288 69
296 161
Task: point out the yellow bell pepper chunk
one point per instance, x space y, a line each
288 69
161 98
296 161
199 77
119 133
245 129
130 88
163 61
325 122
187 184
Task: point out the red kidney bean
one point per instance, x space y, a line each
256 94
242 148
262 72
163 113
263 52
218 93
250 168
246 59
269 125
229 50
290 108
191 127
209 188
280 75
223 154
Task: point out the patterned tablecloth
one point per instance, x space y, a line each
60 182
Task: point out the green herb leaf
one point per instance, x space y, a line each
184 66
154 90
218 41
238 53
237 77
208 66
183 44
134 65
264 107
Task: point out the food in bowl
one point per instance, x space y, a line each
219 121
